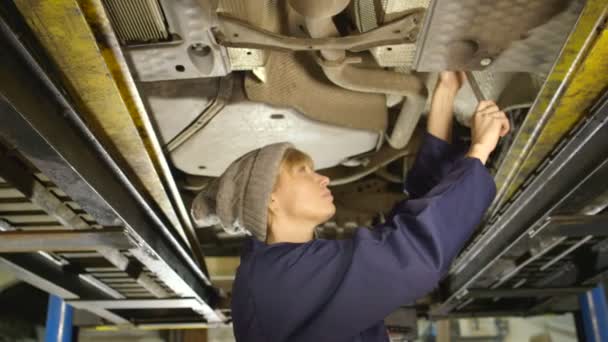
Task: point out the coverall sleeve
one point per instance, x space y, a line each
434 160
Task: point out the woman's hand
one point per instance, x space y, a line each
487 126
452 80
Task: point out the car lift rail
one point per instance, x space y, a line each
88 233
544 238
551 241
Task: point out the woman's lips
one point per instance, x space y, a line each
327 193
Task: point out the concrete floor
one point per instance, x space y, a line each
550 328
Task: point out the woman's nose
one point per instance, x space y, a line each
324 180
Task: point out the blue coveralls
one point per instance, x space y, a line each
341 290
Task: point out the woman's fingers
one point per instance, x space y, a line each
490 109
503 121
505 126
486 105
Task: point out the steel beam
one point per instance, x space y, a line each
21 178
48 276
479 314
177 326
41 123
167 303
62 240
523 293
575 226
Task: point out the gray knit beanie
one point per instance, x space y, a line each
238 200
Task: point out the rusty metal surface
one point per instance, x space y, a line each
500 35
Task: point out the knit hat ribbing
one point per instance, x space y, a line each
238 200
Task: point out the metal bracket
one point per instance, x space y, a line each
235 32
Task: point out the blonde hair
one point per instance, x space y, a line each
292 159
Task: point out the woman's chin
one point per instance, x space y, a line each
326 213
331 211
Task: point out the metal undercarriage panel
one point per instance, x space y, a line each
176 107
495 35
253 125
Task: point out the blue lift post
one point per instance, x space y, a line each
594 315
58 321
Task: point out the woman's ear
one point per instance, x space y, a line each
272 210
273 205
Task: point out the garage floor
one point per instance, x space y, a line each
550 328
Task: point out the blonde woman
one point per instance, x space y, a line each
292 287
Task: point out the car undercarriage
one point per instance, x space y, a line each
115 114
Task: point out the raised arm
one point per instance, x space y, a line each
436 153
441 116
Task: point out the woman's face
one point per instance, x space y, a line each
302 194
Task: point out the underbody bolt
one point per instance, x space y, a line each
486 61
201 49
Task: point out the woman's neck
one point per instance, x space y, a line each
290 231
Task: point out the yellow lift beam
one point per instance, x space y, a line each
96 73
578 78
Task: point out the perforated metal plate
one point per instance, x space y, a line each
150 25
513 35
